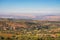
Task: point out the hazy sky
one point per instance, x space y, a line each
33 7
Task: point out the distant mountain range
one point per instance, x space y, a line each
45 17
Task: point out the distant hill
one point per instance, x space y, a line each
51 18
45 17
